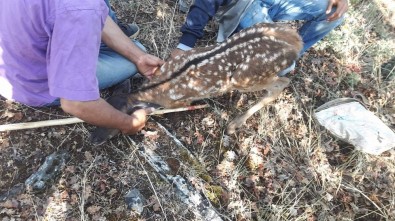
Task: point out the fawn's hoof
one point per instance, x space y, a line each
234 124
231 129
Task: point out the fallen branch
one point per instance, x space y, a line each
74 120
45 123
190 108
192 197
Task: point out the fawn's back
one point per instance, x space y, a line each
246 62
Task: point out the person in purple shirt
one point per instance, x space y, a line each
319 16
65 51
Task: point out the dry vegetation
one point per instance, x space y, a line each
280 166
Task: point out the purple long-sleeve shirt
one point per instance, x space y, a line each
49 49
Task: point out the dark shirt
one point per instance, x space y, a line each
200 13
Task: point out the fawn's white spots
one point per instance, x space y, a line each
253 56
176 96
244 67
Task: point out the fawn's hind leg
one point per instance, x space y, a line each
274 90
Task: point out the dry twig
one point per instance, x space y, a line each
74 120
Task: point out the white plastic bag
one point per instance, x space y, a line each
350 121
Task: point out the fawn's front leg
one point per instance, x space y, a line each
274 90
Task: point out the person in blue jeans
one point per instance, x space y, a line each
65 51
319 16
112 67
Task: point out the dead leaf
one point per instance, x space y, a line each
251 180
255 158
200 138
225 168
187 140
208 121
88 156
242 101
74 199
9 212
64 195
225 198
266 150
375 199
8 114
155 203
10 204
152 135
87 192
93 209
112 192
70 169
4 143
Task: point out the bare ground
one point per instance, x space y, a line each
281 165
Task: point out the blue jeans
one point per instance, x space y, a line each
312 12
112 68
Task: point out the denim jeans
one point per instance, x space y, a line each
112 68
312 12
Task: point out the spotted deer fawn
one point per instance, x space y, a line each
248 61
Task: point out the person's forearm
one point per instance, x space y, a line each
114 38
98 113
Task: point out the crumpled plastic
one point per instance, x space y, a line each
350 121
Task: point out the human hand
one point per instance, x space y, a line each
176 52
341 9
147 65
139 117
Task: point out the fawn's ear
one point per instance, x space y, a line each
157 71
102 134
124 87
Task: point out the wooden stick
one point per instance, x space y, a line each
74 120
37 124
190 108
